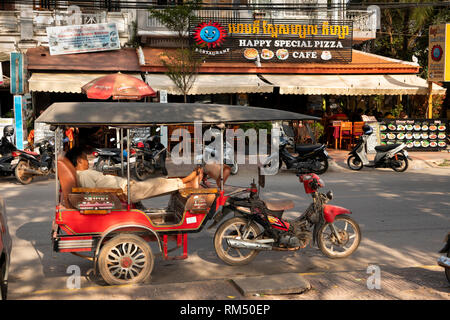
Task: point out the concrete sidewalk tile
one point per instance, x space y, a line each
286 283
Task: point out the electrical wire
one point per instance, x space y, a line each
124 4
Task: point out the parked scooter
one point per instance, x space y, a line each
309 158
238 240
32 164
108 160
390 156
7 152
150 156
444 261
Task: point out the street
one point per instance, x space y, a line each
404 218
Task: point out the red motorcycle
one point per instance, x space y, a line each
238 240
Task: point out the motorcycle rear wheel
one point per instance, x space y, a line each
354 163
327 240
323 164
235 228
141 171
402 160
21 176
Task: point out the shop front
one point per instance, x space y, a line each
369 85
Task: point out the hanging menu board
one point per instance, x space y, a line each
417 134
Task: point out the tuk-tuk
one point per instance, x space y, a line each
103 225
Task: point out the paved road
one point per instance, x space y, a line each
403 217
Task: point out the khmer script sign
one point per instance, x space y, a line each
295 41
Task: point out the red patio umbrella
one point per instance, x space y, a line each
118 86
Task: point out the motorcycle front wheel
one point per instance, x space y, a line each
401 164
21 175
234 168
354 163
349 237
235 228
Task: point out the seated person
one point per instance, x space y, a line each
139 190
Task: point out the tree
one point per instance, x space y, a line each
182 68
182 65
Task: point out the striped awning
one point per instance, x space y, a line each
353 85
212 84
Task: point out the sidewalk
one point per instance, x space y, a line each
421 160
415 283
337 163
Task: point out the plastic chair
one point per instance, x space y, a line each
346 133
357 129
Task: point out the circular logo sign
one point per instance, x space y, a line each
436 53
210 34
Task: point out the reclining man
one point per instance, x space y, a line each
139 190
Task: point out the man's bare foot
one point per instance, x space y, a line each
190 177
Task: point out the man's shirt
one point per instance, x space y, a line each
95 179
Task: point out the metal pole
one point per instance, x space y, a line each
121 151
221 158
128 168
56 166
430 100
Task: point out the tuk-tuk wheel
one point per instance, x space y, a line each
125 259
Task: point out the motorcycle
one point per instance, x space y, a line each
238 240
32 164
7 152
444 261
309 158
390 156
108 159
150 156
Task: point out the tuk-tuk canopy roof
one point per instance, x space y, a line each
141 114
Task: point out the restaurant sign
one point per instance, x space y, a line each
83 38
439 53
295 41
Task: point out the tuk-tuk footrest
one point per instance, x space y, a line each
181 242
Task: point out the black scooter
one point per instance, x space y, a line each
108 159
7 155
309 159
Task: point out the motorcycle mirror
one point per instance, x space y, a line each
53 127
330 195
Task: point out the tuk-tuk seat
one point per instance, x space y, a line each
68 181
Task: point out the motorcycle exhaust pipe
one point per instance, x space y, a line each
31 171
251 245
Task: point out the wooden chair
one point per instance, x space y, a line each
357 129
346 133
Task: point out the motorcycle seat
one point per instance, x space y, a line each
307 148
279 205
386 147
30 152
